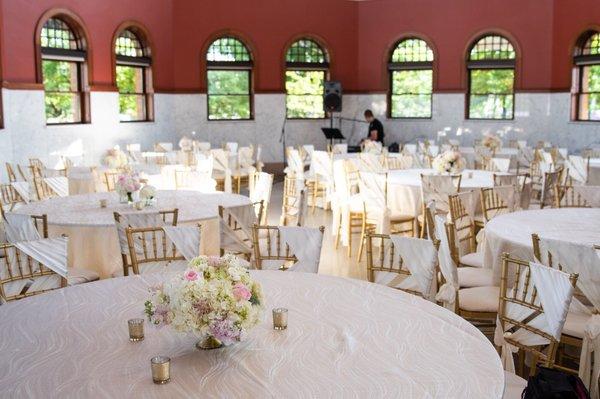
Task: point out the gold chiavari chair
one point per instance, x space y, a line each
518 180
110 180
294 202
26 173
382 258
492 203
10 172
268 247
150 251
243 233
437 189
398 162
566 196
550 182
461 235
21 275
517 289
36 163
9 197
168 217
42 189
513 143
39 221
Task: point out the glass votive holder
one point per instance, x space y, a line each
136 329
161 369
139 205
103 203
280 318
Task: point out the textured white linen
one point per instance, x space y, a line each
554 295
420 258
51 252
19 227
346 338
186 240
94 242
370 162
404 188
501 164
512 232
305 243
58 184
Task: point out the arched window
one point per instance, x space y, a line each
306 69
63 67
411 79
133 76
586 95
491 69
229 76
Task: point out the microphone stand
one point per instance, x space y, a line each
282 139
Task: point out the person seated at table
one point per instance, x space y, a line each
375 132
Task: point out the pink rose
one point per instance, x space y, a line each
191 275
241 292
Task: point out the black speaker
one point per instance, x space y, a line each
332 97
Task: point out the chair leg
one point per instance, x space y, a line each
363 232
339 231
423 227
314 197
350 236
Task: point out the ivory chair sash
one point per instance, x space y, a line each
300 246
163 147
58 184
186 239
578 168
222 164
500 164
583 260
18 227
295 166
534 303
404 263
24 190
50 252
232 147
261 185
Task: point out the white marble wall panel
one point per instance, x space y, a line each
537 116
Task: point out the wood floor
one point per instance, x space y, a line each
333 262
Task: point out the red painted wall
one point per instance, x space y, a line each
358 36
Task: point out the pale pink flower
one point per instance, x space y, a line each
191 275
241 292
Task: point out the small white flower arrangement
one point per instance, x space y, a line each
450 161
491 142
148 194
372 147
115 158
214 298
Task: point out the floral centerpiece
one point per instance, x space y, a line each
126 185
450 161
186 144
215 299
148 194
115 158
492 142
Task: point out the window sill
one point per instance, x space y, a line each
67 124
140 121
308 119
231 120
410 119
489 120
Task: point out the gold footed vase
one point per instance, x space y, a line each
208 342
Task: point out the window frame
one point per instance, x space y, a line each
408 66
292 66
580 62
225 66
490 64
79 56
145 62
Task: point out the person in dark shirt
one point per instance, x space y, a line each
375 127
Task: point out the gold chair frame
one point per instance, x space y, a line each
167 253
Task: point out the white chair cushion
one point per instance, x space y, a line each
575 324
513 386
474 259
475 277
479 299
80 276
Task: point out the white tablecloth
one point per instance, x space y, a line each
404 187
512 232
93 242
346 338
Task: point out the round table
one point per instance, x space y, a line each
93 240
404 187
512 232
346 338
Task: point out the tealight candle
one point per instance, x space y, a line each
139 205
161 369
103 203
136 329
280 318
